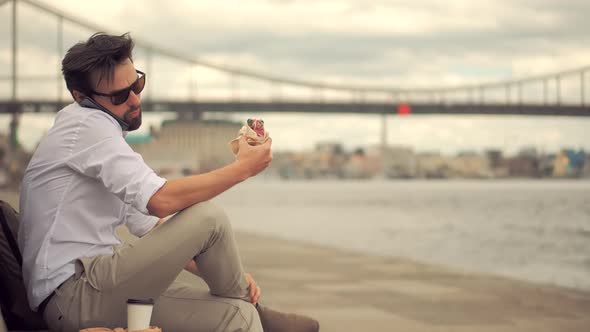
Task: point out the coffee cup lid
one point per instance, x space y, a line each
140 301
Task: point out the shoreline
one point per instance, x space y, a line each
351 291
417 261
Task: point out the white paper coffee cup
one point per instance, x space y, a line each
139 314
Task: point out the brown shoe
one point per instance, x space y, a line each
274 321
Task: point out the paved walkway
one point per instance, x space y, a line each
348 291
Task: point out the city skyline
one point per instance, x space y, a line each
401 132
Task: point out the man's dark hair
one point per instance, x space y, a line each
101 52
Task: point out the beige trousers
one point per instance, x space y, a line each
149 268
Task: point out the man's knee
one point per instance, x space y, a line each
207 216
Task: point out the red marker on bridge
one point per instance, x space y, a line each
404 109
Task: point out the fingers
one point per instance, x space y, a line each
256 296
191 266
267 146
251 284
254 290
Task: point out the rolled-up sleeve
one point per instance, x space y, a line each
110 160
138 223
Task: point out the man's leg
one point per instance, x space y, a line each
185 307
182 307
147 267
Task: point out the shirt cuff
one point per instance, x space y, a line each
148 226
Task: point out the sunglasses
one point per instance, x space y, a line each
121 96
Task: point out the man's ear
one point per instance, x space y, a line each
78 96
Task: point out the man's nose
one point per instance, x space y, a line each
134 99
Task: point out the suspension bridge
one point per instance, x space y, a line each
550 94
563 93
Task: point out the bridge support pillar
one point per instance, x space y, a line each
12 161
14 74
13 131
383 132
383 147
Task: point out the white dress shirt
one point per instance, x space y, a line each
82 181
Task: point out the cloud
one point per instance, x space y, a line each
393 42
382 42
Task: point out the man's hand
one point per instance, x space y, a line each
254 158
191 267
254 290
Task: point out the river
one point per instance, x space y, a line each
526 229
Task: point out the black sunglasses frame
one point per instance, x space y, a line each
120 96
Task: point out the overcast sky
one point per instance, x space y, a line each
379 42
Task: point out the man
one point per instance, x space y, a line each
84 180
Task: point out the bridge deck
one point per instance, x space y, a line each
26 106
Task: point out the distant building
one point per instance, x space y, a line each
334 148
546 165
188 145
4 171
357 166
497 165
586 169
137 139
285 165
328 160
577 160
569 163
394 161
13 162
522 166
433 165
470 166
528 152
4 148
494 158
560 165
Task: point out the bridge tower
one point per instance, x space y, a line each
14 121
383 133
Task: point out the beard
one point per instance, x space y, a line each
133 122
